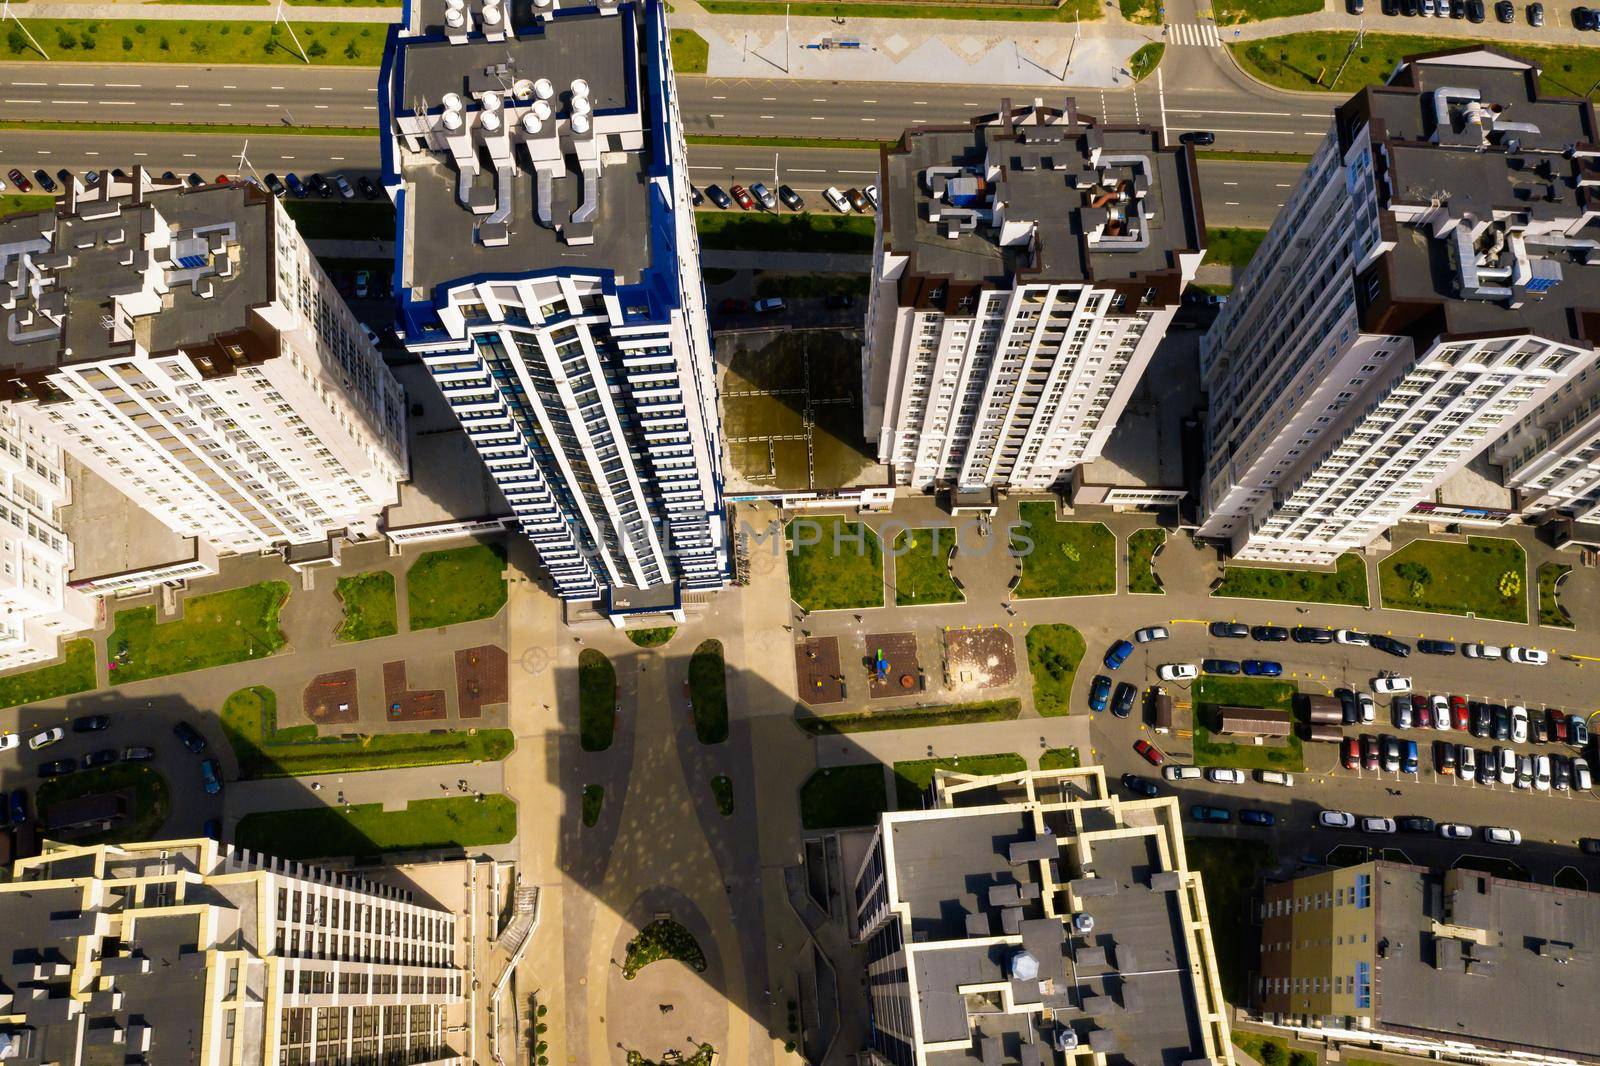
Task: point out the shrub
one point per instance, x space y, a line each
1416 573
165 45
127 44
1272 1054
316 50
17 41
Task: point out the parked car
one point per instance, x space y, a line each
1198 137
91 723
835 200
1177 671
1336 820
742 197
1519 725
1182 773
1274 777
1582 780
1489 767
1398 648
1499 722
189 737
1348 707
1202 812
103 757
20 180
1122 701
1458 713
1099 692
19 806
321 186
769 305
1408 757
45 737
211 776
696 197
57 767
1441 711
46 182
1468 759
1444 758
1369 752
1252 816
1219 666
1494 834
1228 630
1583 18
1401 711
1475 10
1525 772
1455 831
1428 646
1505 11
1541 773
1556 725
715 194
1481 651
1149 752
275 186
871 193
1375 824
368 188
857 201
138 754
1536 14
1150 633
1560 772
1350 753
1414 823
1539 728
838 301
1527 656
1505 766
1391 683
1261 668
1478 718
1422 711
342 183
1311 635
1577 731
1353 637
9 741
1393 750
1118 654
296 187
1221 775
791 199
1141 785
1270 634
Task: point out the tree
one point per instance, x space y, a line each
16 40
316 50
1272 1054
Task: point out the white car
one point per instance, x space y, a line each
1336 820
9 741
1455 831
871 193
1181 773
1494 834
1525 772
1150 633
1351 636
1441 712
1370 824
1581 778
1527 656
1541 773
1383 685
1221 776
1274 777
1519 725
1177 671
836 199
1481 651
46 738
1369 709
1507 761
1469 763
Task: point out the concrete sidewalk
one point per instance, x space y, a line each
1027 737
392 788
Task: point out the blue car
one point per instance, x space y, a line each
211 776
1577 731
1262 668
19 806
1143 786
1409 760
1118 654
1099 692
1202 813
1219 666
1249 816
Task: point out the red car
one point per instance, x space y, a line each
20 180
742 196
1149 751
222 179
1559 733
1350 754
1458 712
1422 711
1369 752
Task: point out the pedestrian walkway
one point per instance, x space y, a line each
1203 34
1027 737
392 788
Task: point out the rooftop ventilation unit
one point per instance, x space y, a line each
1024 967
1082 923
543 89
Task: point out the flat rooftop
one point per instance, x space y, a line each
1053 194
1533 984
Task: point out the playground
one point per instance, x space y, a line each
816 666
892 667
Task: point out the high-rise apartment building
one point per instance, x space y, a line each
187 951
549 277
37 607
1430 283
185 346
1034 918
1027 266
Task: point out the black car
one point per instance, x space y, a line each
1348 705
1219 666
1499 722
19 806
791 199
718 197
1589 845
1475 10
1122 699
66 177
1582 18
1311 635
103 757
194 181
1415 823
46 182
1429 646
1198 137
275 186
321 186
1478 719
1391 7
696 197
1505 11
1357 7
1444 757
91 723
1536 14
1228 630
1409 7
1538 729
838 301
368 189
138 754
189 737
1143 786
58 767
1270 634
1398 648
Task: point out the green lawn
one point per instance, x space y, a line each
1232 12
652 638
922 566
1274 1051
689 52
1211 692
722 791
24 203
834 564
1551 611
803 232
913 777
1142 547
74 673
459 585
250 722
594 798
367 829
839 796
1063 558
1054 652
1144 62
1229 870
218 628
368 601
662 939
1309 60
151 799
1043 11
708 691
597 700
1233 246
344 44
1346 584
909 717
1147 12
1483 577
1059 759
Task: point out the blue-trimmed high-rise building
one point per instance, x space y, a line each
548 274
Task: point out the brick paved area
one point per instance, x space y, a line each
979 658
904 675
330 699
816 667
480 679
406 705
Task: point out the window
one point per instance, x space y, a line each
1363 891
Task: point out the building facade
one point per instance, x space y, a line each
1035 917
186 951
37 605
549 278
1425 289
1456 965
1027 265
184 345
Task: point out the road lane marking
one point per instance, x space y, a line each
114 103
24 101
1204 111
83 103
1230 183
122 85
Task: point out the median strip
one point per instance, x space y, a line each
860 144
219 128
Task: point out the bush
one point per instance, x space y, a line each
1414 572
316 50
127 44
17 41
1272 1054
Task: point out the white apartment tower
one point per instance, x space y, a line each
1431 283
36 605
185 346
549 278
188 951
1027 266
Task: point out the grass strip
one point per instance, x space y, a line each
1233 12
722 791
1054 652
837 797
1142 547
1069 11
223 627
1223 154
23 203
597 700
1551 610
652 638
1059 759
1233 245
689 52
761 141
1070 558
922 566
1346 585
326 44
74 673
1228 869
594 798
834 564
708 692
913 777
803 232
367 829
219 128
1483 578
821 725
1145 60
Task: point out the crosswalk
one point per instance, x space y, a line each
1202 34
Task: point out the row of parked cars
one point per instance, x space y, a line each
1536 772
759 197
1515 723
188 736
1384 826
290 184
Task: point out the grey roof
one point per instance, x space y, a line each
1513 990
1050 169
